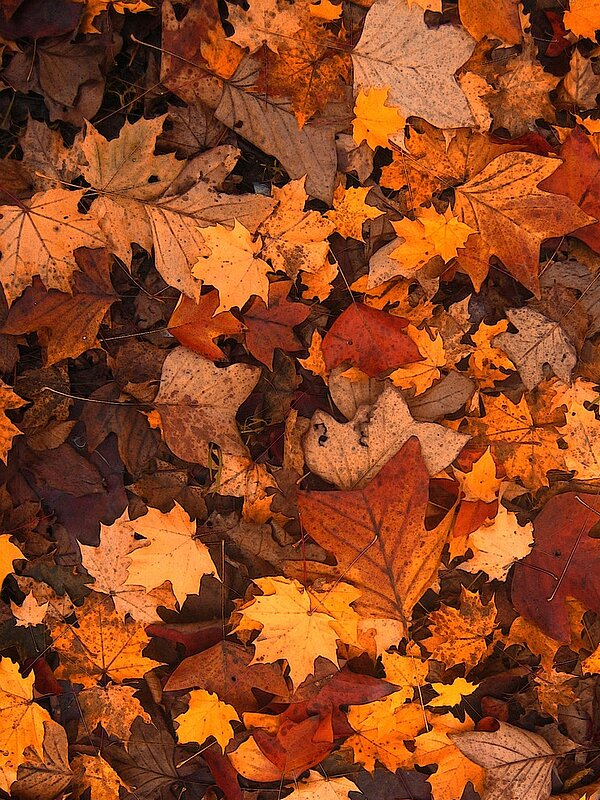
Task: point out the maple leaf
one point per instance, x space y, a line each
423 373
488 363
293 627
101 646
232 266
451 694
206 716
8 430
197 326
417 63
39 237
503 23
9 552
480 483
582 18
265 22
22 721
453 770
350 211
382 728
458 635
93 8
374 121
30 612
197 403
391 558
97 775
513 215
270 325
317 787
66 323
114 707
170 543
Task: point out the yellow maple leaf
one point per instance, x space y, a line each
445 231
113 706
94 773
315 362
406 672
583 18
453 769
233 266
488 363
21 721
294 626
421 374
382 729
206 716
171 552
459 635
350 211
451 694
101 645
375 122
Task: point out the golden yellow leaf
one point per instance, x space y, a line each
325 9
451 694
421 374
291 627
459 634
315 362
480 483
317 787
445 231
265 22
350 211
295 240
233 266
454 770
100 646
95 7
170 553
374 121
206 716
488 363
406 672
9 552
21 721
382 728
96 774
583 18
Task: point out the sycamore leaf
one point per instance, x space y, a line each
21 721
206 716
198 401
374 121
350 454
232 266
390 557
38 238
518 763
398 50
